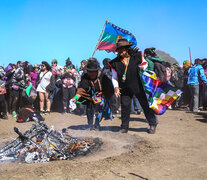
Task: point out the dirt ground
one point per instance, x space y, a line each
178 150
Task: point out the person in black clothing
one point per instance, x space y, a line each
91 89
10 69
127 82
3 103
18 83
114 101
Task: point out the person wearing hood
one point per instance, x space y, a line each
155 64
196 74
17 85
127 82
10 69
3 103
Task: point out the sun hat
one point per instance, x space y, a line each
123 43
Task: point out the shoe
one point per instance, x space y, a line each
123 130
138 112
64 111
83 115
97 128
196 112
200 108
152 129
42 112
4 117
117 112
47 112
90 128
14 114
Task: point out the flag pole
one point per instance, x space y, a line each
100 37
190 56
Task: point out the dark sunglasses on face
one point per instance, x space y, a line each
43 65
54 63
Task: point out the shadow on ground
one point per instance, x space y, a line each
204 117
106 128
137 119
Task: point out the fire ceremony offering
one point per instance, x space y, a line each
42 144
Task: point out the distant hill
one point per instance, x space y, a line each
166 57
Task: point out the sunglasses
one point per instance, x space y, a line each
43 65
54 62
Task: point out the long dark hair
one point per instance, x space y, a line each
48 67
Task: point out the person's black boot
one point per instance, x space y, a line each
123 130
90 128
152 129
97 127
139 112
5 116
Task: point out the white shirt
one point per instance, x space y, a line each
45 81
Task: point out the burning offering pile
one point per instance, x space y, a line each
42 144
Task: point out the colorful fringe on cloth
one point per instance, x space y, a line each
104 110
160 95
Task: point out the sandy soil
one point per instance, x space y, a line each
176 151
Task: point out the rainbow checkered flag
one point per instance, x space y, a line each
160 95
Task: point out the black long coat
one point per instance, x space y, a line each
133 84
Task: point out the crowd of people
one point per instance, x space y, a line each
53 87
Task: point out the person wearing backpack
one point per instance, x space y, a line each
196 74
155 64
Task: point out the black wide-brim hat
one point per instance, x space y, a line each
123 43
92 65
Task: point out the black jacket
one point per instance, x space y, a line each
133 84
106 86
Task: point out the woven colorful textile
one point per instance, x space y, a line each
104 110
160 95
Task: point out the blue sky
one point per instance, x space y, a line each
37 30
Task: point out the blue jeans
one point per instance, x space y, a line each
135 105
81 108
90 111
52 96
55 99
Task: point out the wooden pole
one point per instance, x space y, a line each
190 56
99 38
